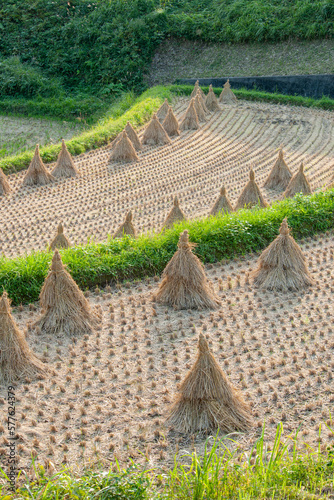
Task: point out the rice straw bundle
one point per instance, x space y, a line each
281 266
251 194
17 361
170 124
184 284
195 90
64 307
126 227
222 204
4 185
133 136
227 95
175 215
211 101
207 400
123 150
202 101
199 109
280 174
163 110
298 184
190 118
60 240
37 173
155 133
64 166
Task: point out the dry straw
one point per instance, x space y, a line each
190 118
170 124
60 240
133 136
222 203
4 185
298 184
211 101
175 215
281 266
184 284
251 194
202 100
207 401
123 150
195 90
37 173
65 166
163 110
227 95
280 174
199 109
64 307
17 361
126 227
155 133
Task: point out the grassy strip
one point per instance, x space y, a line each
282 473
257 95
129 108
224 236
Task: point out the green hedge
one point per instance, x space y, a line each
219 237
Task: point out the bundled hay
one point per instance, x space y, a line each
251 194
123 150
222 204
184 284
64 307
202 101
133 136
4 185
281 266
163 110
196 89
155 133
64 166
211 101
190 118
170 124
280 174
17 361
126 227
60 240
199 109
227 95
207 401
298 184
37 173
175 215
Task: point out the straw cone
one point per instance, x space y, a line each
163 110
281 266
123 150
211 101
190 118
170 124
4 185
60 240
298 184
202 101
207 400
64 307
199 109
133 136
196 88
227 95
175 215
155 133
126 227
184 284
280 174
251 194
222 203
64 166
37 173
17 361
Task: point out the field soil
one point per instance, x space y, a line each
106 395
194 167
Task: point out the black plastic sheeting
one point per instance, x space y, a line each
315 86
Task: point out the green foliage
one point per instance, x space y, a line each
224 236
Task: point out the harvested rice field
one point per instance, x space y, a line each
194 166
107 394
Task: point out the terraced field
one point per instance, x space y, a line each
194 167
